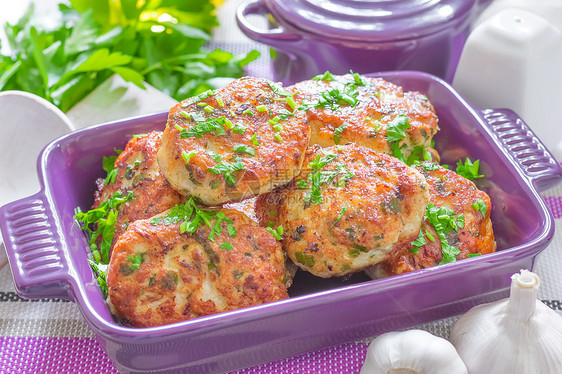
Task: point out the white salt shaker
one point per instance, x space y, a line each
514 60
550 10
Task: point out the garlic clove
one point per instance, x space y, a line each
412 352
518 335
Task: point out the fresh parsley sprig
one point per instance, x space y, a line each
100 223
318 177
395 132
191 218
444 221
161 43
227 168
469 169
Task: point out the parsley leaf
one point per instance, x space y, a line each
201 128
99 223
277 233
395 129
226 169
317 177
244 149
192 218
326 77
469 169
480 206
416 244
161 43
337 133
227 246
136 261
343 210
444 221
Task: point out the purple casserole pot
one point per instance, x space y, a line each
367 35
48 252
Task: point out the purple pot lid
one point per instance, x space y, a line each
370 20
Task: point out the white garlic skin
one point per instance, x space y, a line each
412 352
519 335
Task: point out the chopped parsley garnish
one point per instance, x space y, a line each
320 161
357 79
187 155
261 108
192 218
337 133
278 89
474 255
396 131
416 244
201 128
276 232
335 98
343 210
326 77
469 169
427 166
239 128
444 221
480 206
197 98
244 149
136 261
291 101
317 177
419 154
254 140
215 156
101 272
283 115
108 164
278 138
103 219
227 246
226 169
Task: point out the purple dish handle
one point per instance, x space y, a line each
37 259
533 161
277 37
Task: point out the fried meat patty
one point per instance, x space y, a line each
367 111
473 234
233 143
138 172
158 275
346 209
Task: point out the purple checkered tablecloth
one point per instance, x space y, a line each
50 336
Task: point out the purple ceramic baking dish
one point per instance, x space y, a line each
313 36
48 252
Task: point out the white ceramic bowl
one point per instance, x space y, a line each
27 124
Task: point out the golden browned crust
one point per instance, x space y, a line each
270 129
378 103
361 215
138 172
450 190
184 276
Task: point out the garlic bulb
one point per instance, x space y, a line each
518 335
412 352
